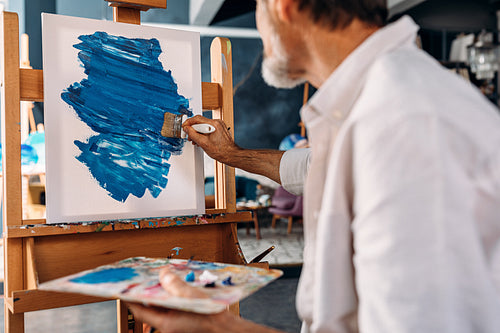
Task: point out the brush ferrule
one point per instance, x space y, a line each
177 128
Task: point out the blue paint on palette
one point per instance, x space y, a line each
111 275
190 277
201 265
227 282
123 99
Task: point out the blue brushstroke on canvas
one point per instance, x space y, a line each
123 99
110 275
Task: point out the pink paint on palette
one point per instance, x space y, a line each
136 280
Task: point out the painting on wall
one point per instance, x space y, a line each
107 87
137 280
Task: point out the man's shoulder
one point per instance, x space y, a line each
407 84
408 80
409 72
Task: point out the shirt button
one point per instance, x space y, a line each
337 114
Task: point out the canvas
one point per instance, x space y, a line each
107 86
137 280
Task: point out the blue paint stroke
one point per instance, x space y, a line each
110 275
123 99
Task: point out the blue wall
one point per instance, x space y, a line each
17 6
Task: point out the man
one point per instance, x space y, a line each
402 196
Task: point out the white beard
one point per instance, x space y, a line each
275 68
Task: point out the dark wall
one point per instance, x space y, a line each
263 115
455 14
442 20
458 15
33 27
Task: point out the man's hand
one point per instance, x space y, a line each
219 145
173 321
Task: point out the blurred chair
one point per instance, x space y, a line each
285 205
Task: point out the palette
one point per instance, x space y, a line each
136 280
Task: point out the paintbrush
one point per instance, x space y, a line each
172 126
262 255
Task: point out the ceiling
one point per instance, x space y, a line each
208 12
233 8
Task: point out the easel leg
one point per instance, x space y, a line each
234 308
14 323
121 317
14 280
138 326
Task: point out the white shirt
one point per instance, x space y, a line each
402 197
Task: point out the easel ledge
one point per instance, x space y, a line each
38 227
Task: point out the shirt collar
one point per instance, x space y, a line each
336 96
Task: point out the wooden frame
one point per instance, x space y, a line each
35 252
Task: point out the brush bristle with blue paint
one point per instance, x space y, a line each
172 126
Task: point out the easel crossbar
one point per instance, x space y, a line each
34 300
32 89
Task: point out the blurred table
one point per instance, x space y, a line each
254 208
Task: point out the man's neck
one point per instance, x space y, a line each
328 49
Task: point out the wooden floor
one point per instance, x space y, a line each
288 247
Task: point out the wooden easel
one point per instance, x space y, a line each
36 252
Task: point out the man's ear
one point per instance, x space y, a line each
286 9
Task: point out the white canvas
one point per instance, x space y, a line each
121 107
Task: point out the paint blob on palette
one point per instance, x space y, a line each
137 280
107 87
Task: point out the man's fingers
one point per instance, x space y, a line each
196 120
193 135
217 123
219 145
174 285
150 315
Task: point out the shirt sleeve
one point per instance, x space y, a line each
293 169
